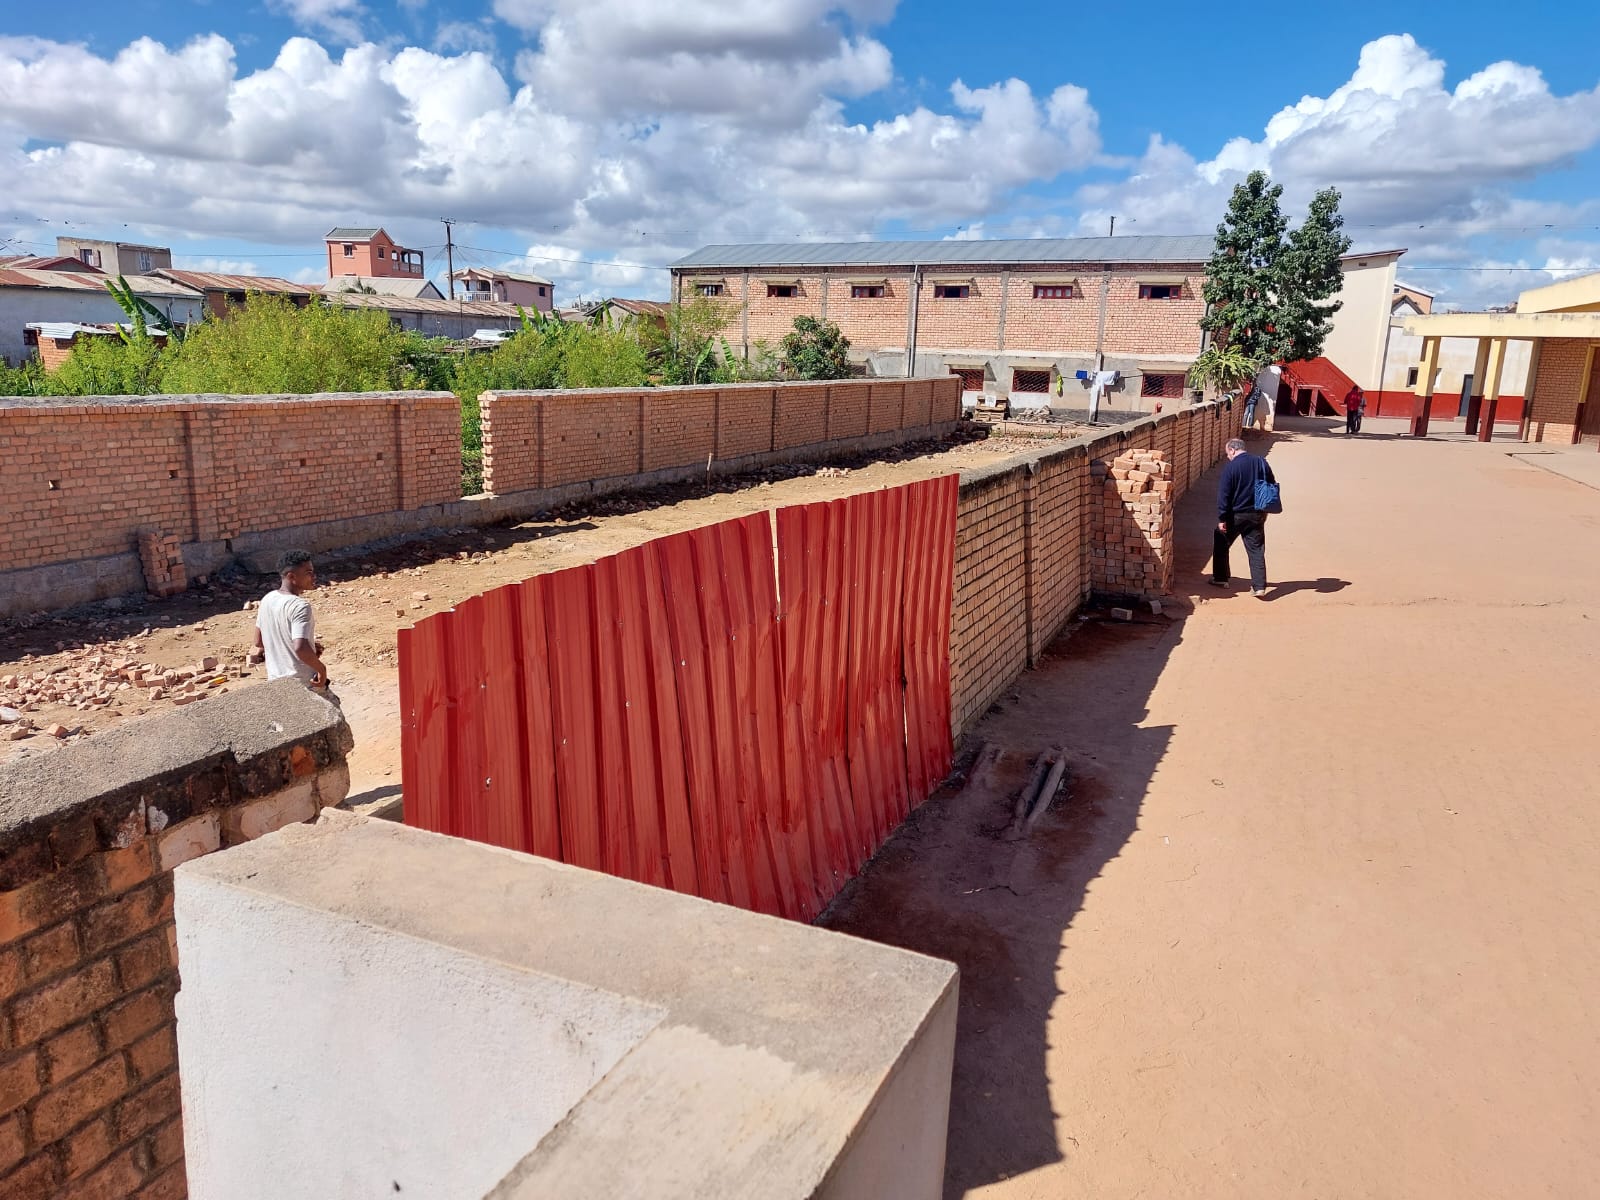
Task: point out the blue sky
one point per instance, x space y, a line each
593 140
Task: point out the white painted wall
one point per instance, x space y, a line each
326 1057
1457 357
21 305
1355 343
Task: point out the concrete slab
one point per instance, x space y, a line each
548 1032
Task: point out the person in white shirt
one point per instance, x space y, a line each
285 629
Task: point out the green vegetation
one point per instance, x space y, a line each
1267 290
1224 368
816 350
270 347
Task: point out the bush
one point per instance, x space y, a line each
271 346
816 350
26 380
107 366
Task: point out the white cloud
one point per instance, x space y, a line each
464 35
340 19
632 131
182 141
1418 164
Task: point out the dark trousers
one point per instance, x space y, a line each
1352 421
1252 527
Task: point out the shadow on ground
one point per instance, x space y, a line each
955 882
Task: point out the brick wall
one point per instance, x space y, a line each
1035 537
84 478
1050 327
536 440
1557 389
89 1092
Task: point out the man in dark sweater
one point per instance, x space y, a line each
1237 517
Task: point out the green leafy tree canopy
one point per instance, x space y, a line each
816 349
1269 291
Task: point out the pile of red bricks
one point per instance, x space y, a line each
162 560
1133 524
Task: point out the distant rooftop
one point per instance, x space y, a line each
1189 248
211 281
351 233
497 273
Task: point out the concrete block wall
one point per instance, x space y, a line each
1034 539
89 836
536 441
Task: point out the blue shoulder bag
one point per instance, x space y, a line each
1269 499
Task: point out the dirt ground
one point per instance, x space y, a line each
1315 914
126 650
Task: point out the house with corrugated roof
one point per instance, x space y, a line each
28 295
223 292
512 287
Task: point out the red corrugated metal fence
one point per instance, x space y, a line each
739 712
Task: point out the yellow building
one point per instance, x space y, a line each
1561 322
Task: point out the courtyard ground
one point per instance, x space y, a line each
1315 915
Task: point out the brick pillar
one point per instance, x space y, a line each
212 512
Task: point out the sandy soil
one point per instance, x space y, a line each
1315 915
364 598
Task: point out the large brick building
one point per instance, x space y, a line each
1012 317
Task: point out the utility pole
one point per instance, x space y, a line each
449 256
1113 232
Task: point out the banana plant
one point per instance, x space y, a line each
141 313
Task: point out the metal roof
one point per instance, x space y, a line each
354 233
423 304
77 281
66 331
1193 248
496 273
210 281
384 285
49 262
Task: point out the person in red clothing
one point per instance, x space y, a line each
1355 403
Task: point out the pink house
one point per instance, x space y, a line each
372 253
481 283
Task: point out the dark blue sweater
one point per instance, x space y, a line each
1236 491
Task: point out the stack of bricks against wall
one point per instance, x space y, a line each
1133 554
973 322
539 439
162 560
89 1096
83 479
995 552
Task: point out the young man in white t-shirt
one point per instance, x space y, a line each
285 629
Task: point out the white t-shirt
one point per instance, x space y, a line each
284 619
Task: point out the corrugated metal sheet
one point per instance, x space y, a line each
353 233
1145 249
65 331
422 304
209 281
73 281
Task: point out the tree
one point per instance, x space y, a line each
816 349
1265 291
